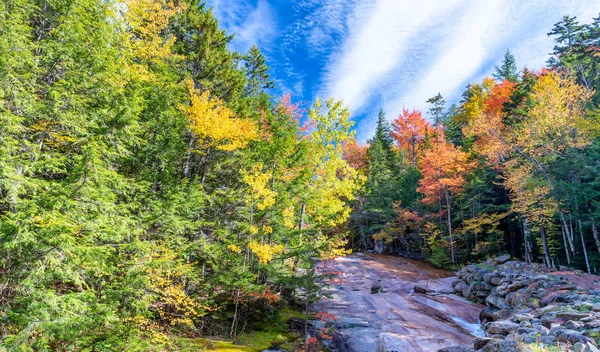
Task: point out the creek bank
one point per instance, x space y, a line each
377 309
528 306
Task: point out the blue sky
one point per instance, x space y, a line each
391 53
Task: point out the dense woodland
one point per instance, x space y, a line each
153 187
513 167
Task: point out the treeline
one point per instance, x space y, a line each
150 185
513 167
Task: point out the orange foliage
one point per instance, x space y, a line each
410 131
355 154
444 168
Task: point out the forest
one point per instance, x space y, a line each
155 192
512 167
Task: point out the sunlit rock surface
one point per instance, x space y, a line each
397 318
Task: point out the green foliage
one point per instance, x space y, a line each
121 227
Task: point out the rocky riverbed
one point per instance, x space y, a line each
529 307
385 303
395 317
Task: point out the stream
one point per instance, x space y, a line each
397 319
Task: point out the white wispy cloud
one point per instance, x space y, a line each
392 53
401 53
250 24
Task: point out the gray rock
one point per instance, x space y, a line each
549 319
502 314
501 289
455 349
592 324
478 275
522 317
460 286
572 338
573 325
501 346
376 288
496 301
487 314
578 347
480 342
522 331
548 340
502 327
591 348
517 286
502 259
571 315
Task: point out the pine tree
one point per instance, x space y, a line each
508 69
568 31
436 111
257 72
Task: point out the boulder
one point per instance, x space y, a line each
460 286
435 287
502 314
376 288
572 338
455 349
502 327
496 301
478 275
573 325
595 324
550 319
548 340
517 286
480 342
571 315
487 314
502 259
522 317
501 346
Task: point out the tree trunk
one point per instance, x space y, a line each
596 237
587 262
448 207
566 245
569 233
526 235
188 156
545 245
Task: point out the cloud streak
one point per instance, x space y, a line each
392 53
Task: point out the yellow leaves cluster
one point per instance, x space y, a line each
147 20
258 182
557 120
52 134
382 236
288 217
215 125
168 296
265 252
234 248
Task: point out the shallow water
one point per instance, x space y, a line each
398 319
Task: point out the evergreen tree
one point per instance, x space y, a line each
436 111
257 72
508 69
568 34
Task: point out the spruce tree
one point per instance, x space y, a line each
257 72
508 69
436 111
